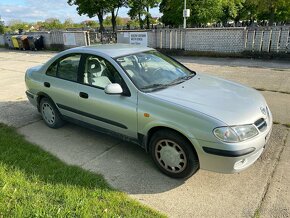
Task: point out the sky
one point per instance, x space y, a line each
39 10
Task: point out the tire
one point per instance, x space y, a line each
50 114
173 154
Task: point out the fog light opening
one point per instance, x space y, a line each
240 164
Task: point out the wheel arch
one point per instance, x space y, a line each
155 129
40 96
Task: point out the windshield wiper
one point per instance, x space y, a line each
181 79
156 86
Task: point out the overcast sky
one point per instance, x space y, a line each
39 10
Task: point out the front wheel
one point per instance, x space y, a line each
173 154
50 114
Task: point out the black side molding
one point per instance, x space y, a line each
29 95
111 122
226 153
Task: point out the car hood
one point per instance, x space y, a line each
229 102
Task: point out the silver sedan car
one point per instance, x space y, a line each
184 119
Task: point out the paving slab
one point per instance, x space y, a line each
279 103
128 168
18 113
276 202
72 144
269 75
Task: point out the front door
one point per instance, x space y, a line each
111 112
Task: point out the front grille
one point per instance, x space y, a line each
261 124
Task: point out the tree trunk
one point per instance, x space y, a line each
113 20
101 19
140 21
147 17
272 15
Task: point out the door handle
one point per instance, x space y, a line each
84 95
47 84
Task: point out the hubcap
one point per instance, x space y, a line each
170 156
48 113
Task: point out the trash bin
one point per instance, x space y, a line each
23 42
8 41
35 42
14 42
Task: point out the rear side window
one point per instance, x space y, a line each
66 68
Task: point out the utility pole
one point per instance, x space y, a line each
184 15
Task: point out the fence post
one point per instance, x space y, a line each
266 40
275 39
284 38
258 40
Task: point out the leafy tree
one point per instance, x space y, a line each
52 23
114 7
2 27
91 23
139 8
92 8
15 25
136 11
172 12
68 23
273 10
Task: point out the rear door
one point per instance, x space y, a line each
61 84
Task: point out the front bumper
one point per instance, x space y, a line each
231 158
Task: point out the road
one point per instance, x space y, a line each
263 189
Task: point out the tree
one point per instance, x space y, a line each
136 11
139 8
172 12
92 8
68 23
114 7
273 10
52 23
15 25
2 26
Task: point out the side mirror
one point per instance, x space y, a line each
113 89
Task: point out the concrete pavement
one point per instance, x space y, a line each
264 187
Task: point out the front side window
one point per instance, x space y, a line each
99 72
152 70
66 68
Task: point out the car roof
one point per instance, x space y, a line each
115 50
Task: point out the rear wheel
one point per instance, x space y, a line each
50 114
173 154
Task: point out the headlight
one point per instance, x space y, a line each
235 133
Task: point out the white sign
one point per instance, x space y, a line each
138 38
69 39
186 13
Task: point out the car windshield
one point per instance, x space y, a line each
152 70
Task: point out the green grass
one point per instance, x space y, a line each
287 125
34 183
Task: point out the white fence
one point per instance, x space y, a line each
220 40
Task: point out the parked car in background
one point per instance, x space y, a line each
186 120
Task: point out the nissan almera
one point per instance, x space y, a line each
186 120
